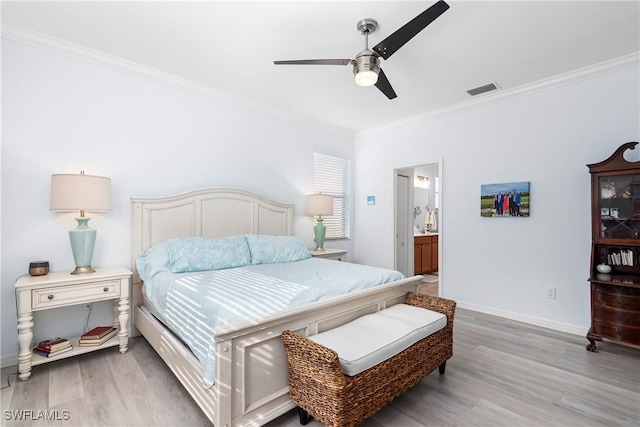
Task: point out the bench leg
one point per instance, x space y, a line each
442 367
304 416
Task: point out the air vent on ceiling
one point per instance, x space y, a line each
482 89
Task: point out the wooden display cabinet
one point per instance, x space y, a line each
615 218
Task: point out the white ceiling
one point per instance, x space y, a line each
226 49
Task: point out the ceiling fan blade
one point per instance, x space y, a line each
395 41
314 62
384 85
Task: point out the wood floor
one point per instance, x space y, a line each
503 373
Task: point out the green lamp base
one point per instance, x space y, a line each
319 230
83 240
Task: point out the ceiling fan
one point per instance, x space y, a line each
366 65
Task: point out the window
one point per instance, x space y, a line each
332 175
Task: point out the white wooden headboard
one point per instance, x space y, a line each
210 212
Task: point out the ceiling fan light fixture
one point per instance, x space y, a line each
366 68
366 78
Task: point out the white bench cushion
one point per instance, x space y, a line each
371 339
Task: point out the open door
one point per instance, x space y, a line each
402 225
411 208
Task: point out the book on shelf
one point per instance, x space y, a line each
52 353
53 344
84 342
624 258
97 332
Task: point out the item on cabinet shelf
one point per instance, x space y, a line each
607 190
89 342
79 193
46 353
53 344
603 268
97 332
38 268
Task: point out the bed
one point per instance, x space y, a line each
250 384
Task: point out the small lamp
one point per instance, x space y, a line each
81 193
318 205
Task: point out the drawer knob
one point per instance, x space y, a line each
106 289
50 297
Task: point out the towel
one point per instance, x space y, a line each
431 221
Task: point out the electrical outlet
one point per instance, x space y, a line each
551 292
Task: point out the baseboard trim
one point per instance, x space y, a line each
8 360
532 320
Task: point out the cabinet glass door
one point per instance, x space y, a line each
619 198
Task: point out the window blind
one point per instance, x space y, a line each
332 175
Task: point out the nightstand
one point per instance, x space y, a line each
337 254
62 289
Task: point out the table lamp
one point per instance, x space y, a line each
81 193
318 205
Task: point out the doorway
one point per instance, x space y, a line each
418 223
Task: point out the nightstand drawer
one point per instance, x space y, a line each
74 294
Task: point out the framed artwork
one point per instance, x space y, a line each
507 199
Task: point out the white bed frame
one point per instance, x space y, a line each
251 384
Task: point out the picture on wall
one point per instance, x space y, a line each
505 199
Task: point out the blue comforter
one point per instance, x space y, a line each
191 304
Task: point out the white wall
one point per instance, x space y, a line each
502 265
61 115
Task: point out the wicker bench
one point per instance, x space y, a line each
321 389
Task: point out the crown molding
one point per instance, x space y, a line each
44 41
83 53
617 64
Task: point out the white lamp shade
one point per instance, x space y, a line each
319 204
80 192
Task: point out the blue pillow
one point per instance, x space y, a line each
152 261
272 249
190 254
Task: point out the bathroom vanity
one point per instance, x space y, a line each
425 253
